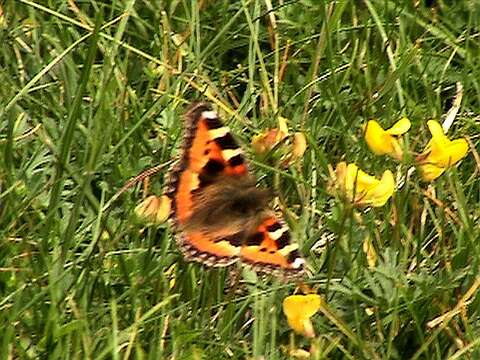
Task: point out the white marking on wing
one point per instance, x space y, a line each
210 115
230 153
216 133
298 263
288 249
275 235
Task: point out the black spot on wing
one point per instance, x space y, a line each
226 142
255 240
234 239
236 160
209 172
274 227
283 240
292 256
214 123
213 167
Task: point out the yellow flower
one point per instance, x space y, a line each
154 209
299 309
440 152
382 141
290 147
267 140
363 189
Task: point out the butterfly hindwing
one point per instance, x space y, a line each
211 251
269 248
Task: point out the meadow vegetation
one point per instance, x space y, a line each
92 94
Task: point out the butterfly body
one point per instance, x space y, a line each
219 213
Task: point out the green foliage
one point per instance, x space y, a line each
92 94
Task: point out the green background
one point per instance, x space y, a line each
92 94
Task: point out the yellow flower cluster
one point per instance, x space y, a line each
362 189
440 153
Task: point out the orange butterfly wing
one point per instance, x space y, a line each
269 249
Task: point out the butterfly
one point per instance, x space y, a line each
219 214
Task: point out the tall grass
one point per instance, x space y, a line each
92 94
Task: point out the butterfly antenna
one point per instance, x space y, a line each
144 174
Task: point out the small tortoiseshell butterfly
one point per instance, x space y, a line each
219 213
